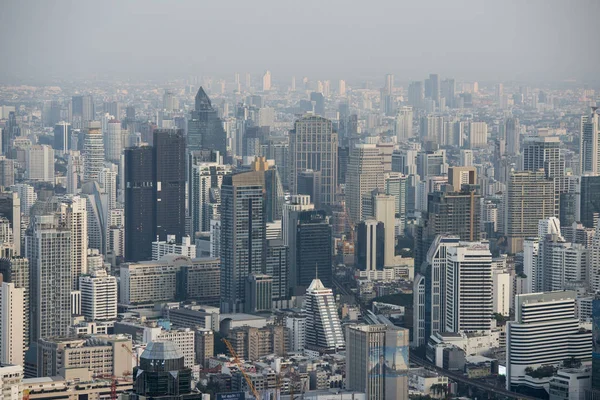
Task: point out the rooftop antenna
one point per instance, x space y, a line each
317 270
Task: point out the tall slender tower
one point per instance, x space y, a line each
93 151
314 145
12 323
243 235
404 123
365 173
590 143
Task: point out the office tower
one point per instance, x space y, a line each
377 361
75 171
370 245
12 323
259 293
466 158
314 146
93 151
468 285
273 189
323 329
204 177
15 270
590 144
113 141
403 127
478 135
365 173
309 184
456 213
310 243
39 163
543 153
174 277
112 108
169 101
7 172
51 113
9 133
381 207
10 208
448 91
205 129
107 179
459 176
530 197
266 81
532 259
243 234
278 266
48 248
62 137
416 94
396 185
589 202
319 103
140 203
82 108
432 128
296 203
169 164
560 262
434 84
98 296
342 87
545 332
74 213
512 136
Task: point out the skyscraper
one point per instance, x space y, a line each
204 177
314 145
48 248
590 143
370 245
15 270
74 211
12 323
377 361
10 208
169 164
403 127
416 94
530 197
434 82
512 136
589 201
114 141
140 203
205 129
82 109
62 137
478 134
468 304
266 81
543 153
243 235
365 173
93 151
323 329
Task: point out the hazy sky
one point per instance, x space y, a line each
324 39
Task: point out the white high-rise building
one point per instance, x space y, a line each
478 135
323 328
74 171
365 173
203 177
74 210
501 291
39 163
113 141
403 127
107 178
590 144
298 202
385 212
297 325
27 195
342 87
560 262
545 331
98 296
93 151
266 81
12 334
468 287
466 158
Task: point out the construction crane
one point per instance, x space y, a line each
113 384
133 354
237 361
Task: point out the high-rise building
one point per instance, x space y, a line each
98 296
10 208
590 143
530 197
7 172
559 262
62 137
456 213
365 174
310 244
39 163
82 109
403 127
543 153
15 270
377 361
431 163
243 234
478 134
370 245
323 329
205 129
74 212
48 248
75 171
140 203
594 262
11 377
545 332
12 323
589 201
296 203
432 128
416 94
512 136
434 85
169 186
314 146
266 81
97 214
396 185
113 141
468 304
93 151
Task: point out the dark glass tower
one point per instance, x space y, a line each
162 374
205 129
169 161
590 201
310 248
243 235
140 203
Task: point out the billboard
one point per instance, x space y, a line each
231 396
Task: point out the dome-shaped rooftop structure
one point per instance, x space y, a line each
162 351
